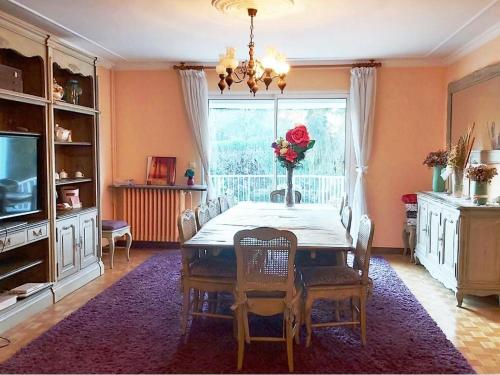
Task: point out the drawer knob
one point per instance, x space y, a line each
39 233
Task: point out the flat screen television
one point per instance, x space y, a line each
19 174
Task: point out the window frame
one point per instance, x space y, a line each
349 157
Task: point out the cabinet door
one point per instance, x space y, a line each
435 235
68 261
88 239
423 226
450 242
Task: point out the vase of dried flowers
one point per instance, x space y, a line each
481 176
457 160
437 161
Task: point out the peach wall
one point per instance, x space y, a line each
409 119
150 120
105 140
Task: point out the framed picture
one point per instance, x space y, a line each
161 170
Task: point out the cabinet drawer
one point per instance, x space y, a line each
37 233
12 240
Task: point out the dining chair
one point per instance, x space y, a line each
224 204
343 202
346 218
213 208
207 274
342 282
202 215
231 200
278 196
267 285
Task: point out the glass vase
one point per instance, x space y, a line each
289 194
437 180
479 193
457 182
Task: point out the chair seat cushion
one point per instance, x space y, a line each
113 224
336 275
213 267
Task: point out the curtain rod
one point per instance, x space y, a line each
370 64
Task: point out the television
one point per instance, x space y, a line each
19 174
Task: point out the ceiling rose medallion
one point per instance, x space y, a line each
270 67
265 7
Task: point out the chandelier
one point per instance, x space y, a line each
272 66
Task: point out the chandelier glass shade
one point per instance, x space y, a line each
272 66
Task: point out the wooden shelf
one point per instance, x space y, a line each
22 98
70 181
8 270
59 104
65 213
73 143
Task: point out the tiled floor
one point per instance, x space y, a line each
474 329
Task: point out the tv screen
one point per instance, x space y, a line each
18 174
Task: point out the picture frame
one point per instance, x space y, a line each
161 170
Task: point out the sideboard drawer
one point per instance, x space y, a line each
12 240
37 233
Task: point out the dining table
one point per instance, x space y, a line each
317 227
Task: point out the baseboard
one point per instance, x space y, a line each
71 283
22 310
387 250
150 244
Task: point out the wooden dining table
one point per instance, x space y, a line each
317 227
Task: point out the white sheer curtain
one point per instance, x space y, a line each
362 108
195 90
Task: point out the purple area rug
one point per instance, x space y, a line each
133 327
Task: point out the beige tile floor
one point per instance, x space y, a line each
474 329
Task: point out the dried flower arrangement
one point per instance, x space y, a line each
459 153
481 173
436 158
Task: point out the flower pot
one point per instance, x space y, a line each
457 182
437 180
479 192
289 194
190 181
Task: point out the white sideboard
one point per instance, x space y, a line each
459 244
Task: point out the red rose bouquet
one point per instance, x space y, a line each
291 150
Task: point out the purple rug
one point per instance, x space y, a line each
133 327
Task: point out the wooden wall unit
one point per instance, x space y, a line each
61 248
459 244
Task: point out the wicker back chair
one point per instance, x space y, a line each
201 274
342 282
231 200
202 215
213 208
266 284
346 218
223 203
344 201
278 196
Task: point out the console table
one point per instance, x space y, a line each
459 244
152 210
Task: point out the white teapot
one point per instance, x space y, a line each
62 135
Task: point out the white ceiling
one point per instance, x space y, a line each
158 31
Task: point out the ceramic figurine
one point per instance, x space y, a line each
57 90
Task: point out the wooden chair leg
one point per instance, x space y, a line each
129 244
111 251
185 309
241 338
412 242
362 313
307 313
337 310
197 305
289 344
405 241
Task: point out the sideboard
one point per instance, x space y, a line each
459 244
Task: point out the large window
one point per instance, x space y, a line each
242 160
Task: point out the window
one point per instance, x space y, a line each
242 160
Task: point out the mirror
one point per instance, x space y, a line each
476 99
